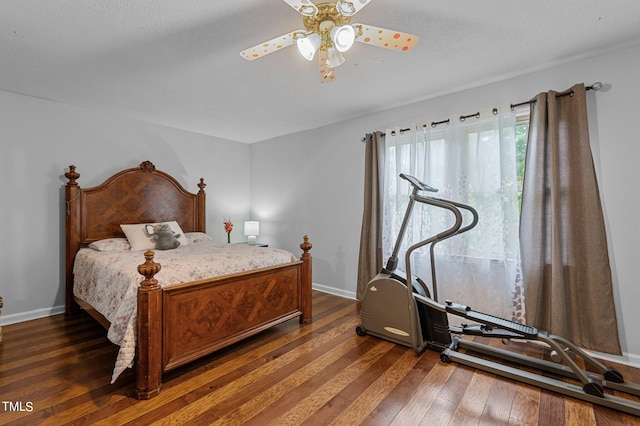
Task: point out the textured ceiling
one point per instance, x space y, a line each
177 63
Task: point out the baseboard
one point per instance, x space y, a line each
31 315
335 291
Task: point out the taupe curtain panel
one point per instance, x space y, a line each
565 261
370 260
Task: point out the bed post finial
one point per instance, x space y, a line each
72 176
306 245
148 269
201 185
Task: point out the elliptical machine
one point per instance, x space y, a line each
399 308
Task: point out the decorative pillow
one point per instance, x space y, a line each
140 235
111 244
198 237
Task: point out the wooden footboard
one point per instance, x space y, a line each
182 323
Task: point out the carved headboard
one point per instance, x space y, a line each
137 195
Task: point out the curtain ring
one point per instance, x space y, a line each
464 117
435 123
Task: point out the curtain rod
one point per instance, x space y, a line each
595 86
435 123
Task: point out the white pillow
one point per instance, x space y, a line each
111 244
140 240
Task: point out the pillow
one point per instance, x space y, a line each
140 239
198 237
111 244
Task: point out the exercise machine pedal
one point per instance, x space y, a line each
491 321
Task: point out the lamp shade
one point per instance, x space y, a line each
308 45
334 58
343 37
252 228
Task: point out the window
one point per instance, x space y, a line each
475 162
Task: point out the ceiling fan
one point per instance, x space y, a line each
329 32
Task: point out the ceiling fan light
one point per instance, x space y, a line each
308 45
343 37
334 58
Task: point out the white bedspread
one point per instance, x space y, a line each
109 280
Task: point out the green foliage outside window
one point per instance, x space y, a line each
522 130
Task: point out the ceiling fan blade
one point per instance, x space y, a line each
262 49
350 8
383 37
327 74
304 7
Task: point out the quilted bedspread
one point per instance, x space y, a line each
109 280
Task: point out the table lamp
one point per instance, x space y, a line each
252 230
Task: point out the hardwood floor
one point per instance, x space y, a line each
56 371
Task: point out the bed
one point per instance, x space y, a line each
177 321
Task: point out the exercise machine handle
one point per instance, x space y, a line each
418 184
392 262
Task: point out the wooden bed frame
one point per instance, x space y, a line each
181 323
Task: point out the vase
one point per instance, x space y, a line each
228 237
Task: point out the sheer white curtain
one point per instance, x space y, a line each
472 162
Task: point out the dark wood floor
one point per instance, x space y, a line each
57 372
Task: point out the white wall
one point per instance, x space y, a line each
312 182
40 139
